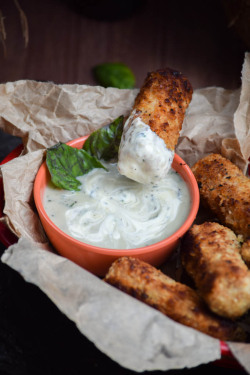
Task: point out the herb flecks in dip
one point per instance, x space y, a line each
113 211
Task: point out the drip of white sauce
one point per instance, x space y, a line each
113 211
143 155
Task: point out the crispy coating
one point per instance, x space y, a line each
176 300
245 252
226 191
162 102
210 254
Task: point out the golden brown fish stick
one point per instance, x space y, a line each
245 252
226 191
211 255
162 102
173 299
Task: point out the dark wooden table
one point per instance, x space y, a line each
65 41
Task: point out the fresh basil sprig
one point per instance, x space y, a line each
65 163
104 142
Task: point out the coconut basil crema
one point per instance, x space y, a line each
113 211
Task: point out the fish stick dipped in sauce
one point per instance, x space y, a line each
152 130
210 254
176 300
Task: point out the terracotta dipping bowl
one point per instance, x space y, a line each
97 259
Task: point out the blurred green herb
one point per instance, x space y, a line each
114 75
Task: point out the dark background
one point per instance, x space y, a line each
206 40
199 38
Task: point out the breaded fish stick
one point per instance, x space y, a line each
245 252
176 300
152 130
211 256
226 191
162 102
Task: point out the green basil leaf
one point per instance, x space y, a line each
114 75
104 142
65 163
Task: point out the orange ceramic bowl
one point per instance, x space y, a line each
97 259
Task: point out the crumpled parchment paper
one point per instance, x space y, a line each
131 333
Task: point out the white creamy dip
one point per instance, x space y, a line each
143 155
113 211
